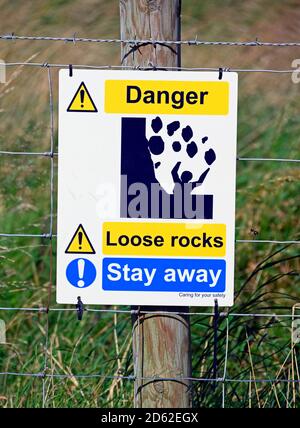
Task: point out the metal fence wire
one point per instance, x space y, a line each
227 318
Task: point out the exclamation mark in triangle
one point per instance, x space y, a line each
82 97
82 101
80 243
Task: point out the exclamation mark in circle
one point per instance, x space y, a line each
82 98
81 273
80 240
80 265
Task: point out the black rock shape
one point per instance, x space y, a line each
210 156
156 124
187 133
156 145
172 127
192 149
176 146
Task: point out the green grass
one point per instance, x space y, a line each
267 276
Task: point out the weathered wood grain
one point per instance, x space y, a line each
161 348
150 19
161 343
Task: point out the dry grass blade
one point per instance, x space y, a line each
252 370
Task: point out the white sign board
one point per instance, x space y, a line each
146 193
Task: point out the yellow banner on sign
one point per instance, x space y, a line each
166 97
164 239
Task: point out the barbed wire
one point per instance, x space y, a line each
237 241
151 67
148 378
192 42
158 312
214 380
49 154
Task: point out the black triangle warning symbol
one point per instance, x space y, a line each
80 243
82 101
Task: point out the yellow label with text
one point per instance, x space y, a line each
163 239
167 97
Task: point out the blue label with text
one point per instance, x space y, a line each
152 274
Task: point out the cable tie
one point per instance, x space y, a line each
9 36
71 39
79 308
224 314
257 42
193 42
46 235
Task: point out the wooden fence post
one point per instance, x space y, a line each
161 342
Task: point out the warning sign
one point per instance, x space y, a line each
151 176
82 101
161 239
80 243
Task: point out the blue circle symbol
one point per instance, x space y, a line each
81 273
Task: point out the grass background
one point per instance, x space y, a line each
268 202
